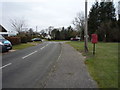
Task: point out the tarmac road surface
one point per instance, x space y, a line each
28 67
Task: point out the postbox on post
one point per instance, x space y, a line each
94 40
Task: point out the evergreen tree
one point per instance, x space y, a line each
62 34
106 12
93 21
106 16
101 14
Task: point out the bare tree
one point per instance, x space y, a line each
18 24
79 23
50 28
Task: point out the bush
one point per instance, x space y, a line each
29 38
23 39
36 36
14 40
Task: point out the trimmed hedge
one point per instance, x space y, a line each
19 39
14 40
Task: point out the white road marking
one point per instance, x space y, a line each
5 65
33 52
29 55
44 47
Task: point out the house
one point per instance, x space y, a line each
3 31
48 36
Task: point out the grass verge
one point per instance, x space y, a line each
103 67
25 45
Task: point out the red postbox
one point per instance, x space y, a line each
94 38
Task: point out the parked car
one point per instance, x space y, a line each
37 39
3 48
74 39
5 45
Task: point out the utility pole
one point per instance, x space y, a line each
119 10
36 29
86 29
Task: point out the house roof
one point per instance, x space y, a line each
2 29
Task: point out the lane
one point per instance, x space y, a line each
32 70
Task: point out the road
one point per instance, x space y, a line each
29 67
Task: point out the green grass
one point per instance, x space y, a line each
24 45
103 67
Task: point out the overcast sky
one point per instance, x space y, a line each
42 13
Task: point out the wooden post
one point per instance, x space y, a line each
93 48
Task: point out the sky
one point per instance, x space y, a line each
42 13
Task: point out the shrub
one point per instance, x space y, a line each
29 38
23 39
36 36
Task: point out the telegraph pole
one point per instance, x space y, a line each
86 29
119 10
36 29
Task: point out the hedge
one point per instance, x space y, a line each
14 40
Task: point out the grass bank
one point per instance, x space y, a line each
103 67
25 45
